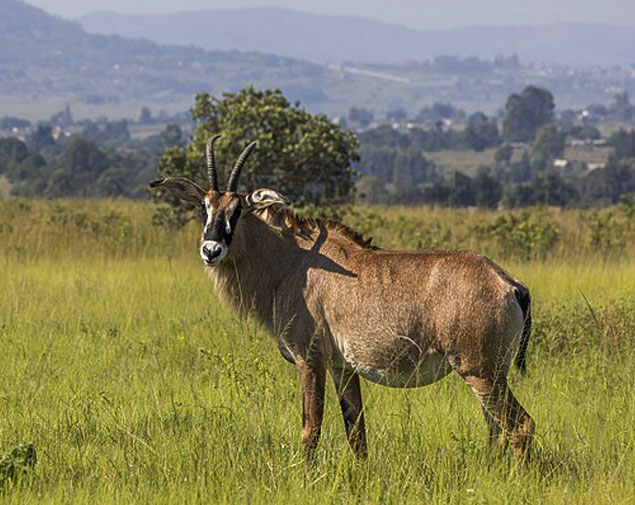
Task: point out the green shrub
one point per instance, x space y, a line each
528 235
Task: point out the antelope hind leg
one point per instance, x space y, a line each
520 426
507 418
350 397
496 438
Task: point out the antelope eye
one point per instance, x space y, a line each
204 214
233 220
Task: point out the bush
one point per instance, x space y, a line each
527 235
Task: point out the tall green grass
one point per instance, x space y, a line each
136 386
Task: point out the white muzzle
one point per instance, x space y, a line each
212 252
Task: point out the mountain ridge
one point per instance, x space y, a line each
329 38
40 52
46 60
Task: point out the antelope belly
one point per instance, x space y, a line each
406 367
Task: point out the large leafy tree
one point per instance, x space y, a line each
304 156
527 112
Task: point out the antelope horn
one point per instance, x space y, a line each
211 165
232 185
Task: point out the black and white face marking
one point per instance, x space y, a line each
219 230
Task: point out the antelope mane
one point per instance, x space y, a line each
307 228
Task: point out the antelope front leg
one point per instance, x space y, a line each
312 377
350 397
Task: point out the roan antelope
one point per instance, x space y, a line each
334 302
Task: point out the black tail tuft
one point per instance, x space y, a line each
524 300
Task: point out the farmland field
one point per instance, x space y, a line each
135 386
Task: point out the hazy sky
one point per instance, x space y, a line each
413 13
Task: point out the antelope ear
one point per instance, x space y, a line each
264 197
182 188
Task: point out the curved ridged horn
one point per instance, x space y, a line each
232 185
211 165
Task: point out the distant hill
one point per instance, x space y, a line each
47 62
324 38
41 53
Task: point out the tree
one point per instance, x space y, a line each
79 168
388 154
437 193
106 132
411 168
622 107
583 132
567 118
480 132
371 189
306 157
549 190
520 171
607 185
503 154
42 137
598 109
548 143
527 112
146 116
12 151
18 164
487 189
397 115
463 193
9 122
63 118
171 136
623 143
384 136
439 111
359 115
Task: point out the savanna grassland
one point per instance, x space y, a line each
135 386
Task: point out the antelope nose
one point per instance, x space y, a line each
211 251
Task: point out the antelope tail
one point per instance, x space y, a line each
524 300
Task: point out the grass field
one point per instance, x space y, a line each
468 162
135 386
5 187
37 107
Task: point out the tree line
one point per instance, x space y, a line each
101 160
319 163
396 165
